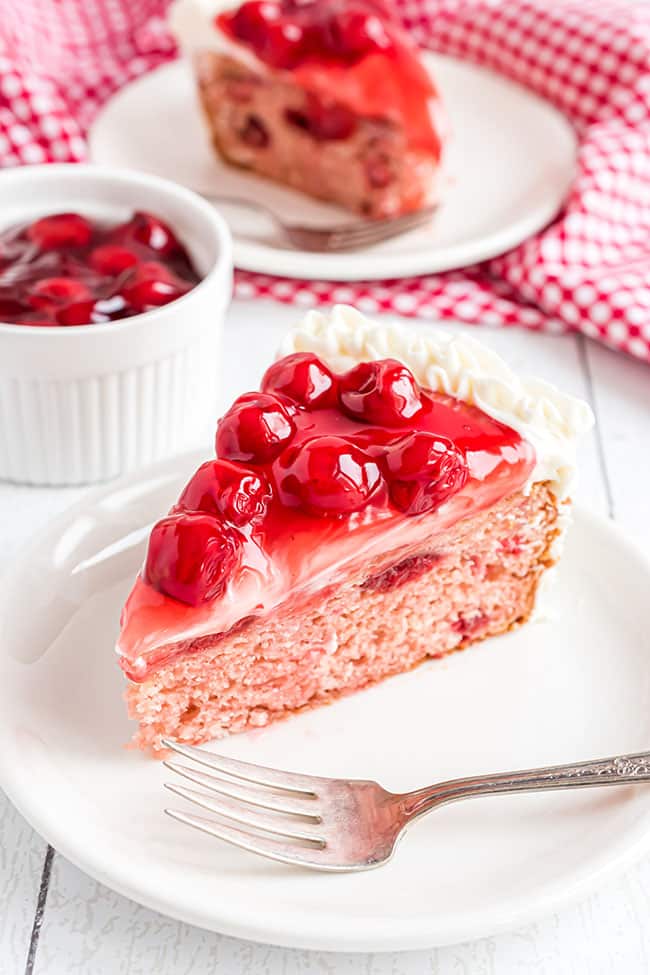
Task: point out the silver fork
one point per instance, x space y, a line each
348 824
340 237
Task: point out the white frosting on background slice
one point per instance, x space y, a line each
462 367
192 23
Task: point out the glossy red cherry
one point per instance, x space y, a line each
382 392
256 428
191 556
49 292
79 313
60 230
151 284
149 231
303 378
221 487
353 32
327 476
424 470
112 259
251 21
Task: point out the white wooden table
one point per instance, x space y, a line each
55 919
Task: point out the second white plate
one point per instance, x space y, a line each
575 686
510 162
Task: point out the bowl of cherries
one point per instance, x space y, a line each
113 289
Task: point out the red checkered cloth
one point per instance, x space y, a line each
588 272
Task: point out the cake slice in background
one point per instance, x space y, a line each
390 495
329 97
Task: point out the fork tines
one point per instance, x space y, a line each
260 809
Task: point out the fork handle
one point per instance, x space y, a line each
621 770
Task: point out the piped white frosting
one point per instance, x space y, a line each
462 367
192 22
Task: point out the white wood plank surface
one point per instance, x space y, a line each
87 928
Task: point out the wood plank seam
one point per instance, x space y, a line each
40 910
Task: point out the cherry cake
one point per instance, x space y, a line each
385 497
327 96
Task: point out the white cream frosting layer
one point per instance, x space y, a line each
462 367
192 22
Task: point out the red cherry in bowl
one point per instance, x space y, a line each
60 230
383 392
221 487
151 284
49 292
191 556
149 231
327 476
256 428
303 378
423 471
112 259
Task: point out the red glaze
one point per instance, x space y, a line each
227 490
190 557
352 55
64 269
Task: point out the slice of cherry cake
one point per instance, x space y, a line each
327 96
387 496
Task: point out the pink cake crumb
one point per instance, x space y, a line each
452 589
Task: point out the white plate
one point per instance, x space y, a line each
510 162
577 686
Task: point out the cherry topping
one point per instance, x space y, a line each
382 392
66 270
424 470
112 259
190 557
151 284
60 230
150 231
327 476
277 40
79 313
256 428
353 32
303 378
220 487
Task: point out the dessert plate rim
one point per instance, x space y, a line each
38 776
528 150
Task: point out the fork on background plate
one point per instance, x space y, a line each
348 824
353 235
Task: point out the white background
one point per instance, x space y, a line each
85 928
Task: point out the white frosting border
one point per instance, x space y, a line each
462 367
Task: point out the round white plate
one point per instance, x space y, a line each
510 162
576 686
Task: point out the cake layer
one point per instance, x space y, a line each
296 551
437 593
315 145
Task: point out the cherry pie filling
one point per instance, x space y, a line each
315 455
65 269
352 57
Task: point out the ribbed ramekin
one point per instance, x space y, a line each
87 403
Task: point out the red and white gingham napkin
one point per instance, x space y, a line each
589 271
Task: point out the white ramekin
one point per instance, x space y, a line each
88 403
